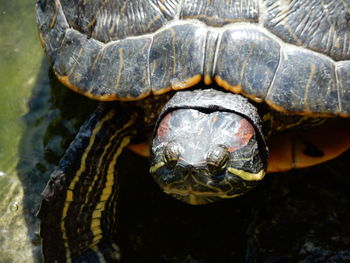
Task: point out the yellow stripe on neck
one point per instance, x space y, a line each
95 223
155 167
76 178
95 226
247 176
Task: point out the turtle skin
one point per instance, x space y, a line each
293 56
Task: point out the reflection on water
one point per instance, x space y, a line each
306 211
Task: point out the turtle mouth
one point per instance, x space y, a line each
196 185
193 197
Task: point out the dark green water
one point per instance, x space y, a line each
20 65
302 216
34 131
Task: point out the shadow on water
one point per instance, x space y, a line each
302 216
53 118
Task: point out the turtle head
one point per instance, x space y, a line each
200 155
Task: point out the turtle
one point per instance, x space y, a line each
218 93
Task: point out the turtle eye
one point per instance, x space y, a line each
172 153
218 157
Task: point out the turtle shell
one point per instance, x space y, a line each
292 54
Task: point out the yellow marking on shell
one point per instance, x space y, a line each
77 77
81 50
244 64
42 41
52 24
336 41
173 33
58 7
97 13
111 29
65 79
247 176
208 80
155 167
69 194
308 84
222 21
93 21
281 21
150 23
121 61
96 61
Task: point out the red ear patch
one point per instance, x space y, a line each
163 127
243 135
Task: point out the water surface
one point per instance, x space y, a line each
20 66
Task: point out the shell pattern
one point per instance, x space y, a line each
292 54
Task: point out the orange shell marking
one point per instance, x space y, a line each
223 83
108 97
190 82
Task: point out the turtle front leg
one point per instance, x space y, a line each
79 210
